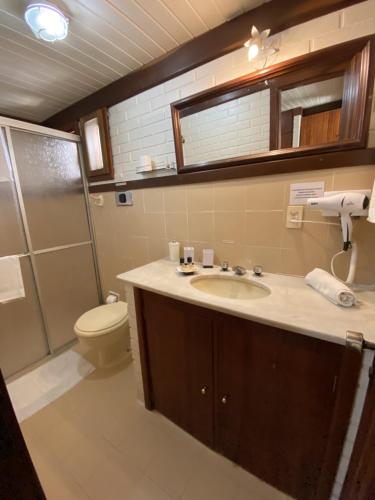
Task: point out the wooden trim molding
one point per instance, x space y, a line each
286 165
320 108
276 15
275 118
143 350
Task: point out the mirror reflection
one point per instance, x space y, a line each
310 114
237 127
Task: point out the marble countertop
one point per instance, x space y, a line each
292 304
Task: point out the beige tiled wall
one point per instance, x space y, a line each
243 220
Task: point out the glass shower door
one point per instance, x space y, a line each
22 336
59 235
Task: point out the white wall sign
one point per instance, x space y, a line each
299 193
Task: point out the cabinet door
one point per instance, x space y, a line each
179 349
275 402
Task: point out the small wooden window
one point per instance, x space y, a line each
97 146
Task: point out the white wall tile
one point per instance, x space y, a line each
150 94
138 109
164 99
345 34
358 13
197 86
311 29
180 81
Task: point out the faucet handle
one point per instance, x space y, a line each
258 270
224 265
239 270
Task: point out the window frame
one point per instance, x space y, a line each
107 172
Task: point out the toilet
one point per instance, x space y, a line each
105 330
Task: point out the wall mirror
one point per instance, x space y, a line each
315 103
234 128
310 113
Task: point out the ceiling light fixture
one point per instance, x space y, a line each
46 21
257 46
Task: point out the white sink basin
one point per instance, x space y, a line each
230 287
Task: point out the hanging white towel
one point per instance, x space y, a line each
11 282
333 289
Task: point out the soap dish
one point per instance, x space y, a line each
187 269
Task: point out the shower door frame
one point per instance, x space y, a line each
8 124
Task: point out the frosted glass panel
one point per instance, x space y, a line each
68 285
12 240
52 189
22 338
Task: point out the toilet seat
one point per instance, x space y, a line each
102 319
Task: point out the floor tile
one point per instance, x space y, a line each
208 483
97 442
173 464
148 490
250 487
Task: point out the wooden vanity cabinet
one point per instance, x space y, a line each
276 394
180 352
275 402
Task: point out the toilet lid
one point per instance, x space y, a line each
102 317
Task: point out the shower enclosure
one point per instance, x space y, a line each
44 219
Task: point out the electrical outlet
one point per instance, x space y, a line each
294 212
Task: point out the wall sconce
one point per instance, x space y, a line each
257 46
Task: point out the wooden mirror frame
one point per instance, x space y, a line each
354 60
107 172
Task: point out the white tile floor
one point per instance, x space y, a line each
39 387
97 442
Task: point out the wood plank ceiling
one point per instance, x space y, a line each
107 39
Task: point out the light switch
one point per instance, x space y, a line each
294 212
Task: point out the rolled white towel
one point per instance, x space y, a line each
333 289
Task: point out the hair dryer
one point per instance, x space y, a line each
344 204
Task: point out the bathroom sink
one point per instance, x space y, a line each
230 287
